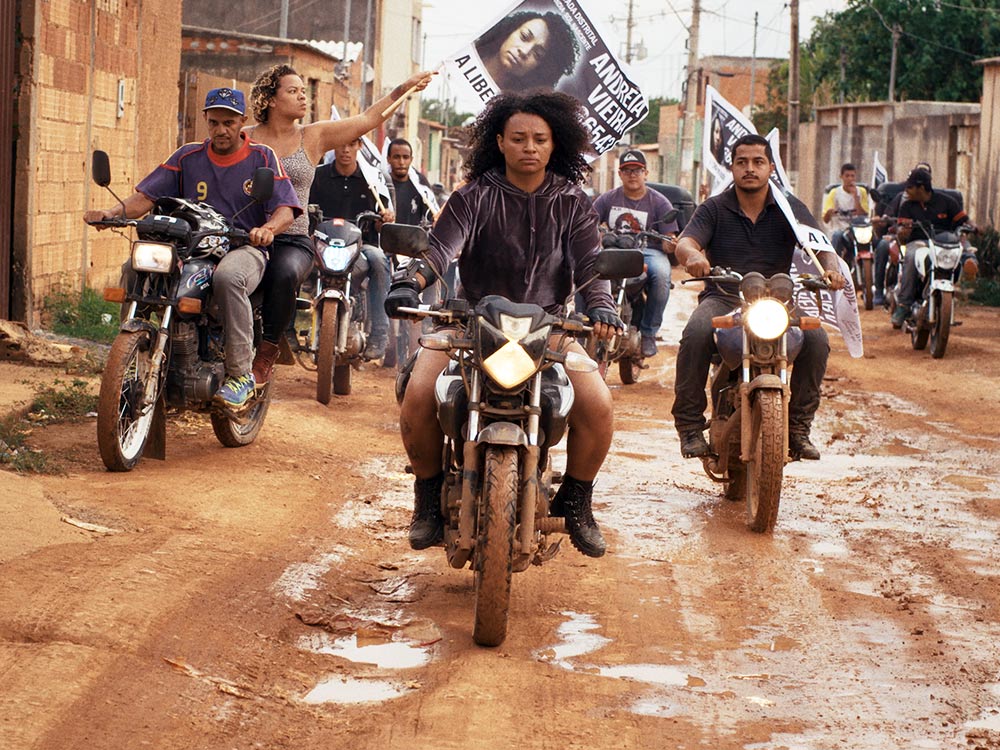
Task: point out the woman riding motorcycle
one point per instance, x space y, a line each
522 228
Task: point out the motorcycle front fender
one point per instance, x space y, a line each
503 433
334 294
942 285
134 325
766 381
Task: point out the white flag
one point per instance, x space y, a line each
879 175
372 166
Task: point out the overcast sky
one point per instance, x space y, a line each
660 25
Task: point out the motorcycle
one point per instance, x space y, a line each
860 257
334 302
169 350
630 298
748 430
503 404
938 265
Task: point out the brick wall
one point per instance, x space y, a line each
76 58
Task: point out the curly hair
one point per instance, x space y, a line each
265 88
561 52
570 139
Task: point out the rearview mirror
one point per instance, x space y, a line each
100 168
262 187
619 264
670 216
405 239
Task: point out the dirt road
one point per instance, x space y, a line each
266 597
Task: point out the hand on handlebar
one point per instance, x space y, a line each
698 266
96 216
606 322
834 280
261 236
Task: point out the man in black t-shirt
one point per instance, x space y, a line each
411 206
342 192
924 210
744 229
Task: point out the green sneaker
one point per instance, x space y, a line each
235 392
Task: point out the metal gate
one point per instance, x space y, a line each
8 37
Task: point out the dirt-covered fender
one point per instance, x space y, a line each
765 381
502 433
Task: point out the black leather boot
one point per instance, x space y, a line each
427 523
799 446
573 503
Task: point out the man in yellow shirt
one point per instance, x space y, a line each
841 203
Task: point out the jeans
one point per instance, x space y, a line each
290 262
694 358
236 276
379 276
657 290
881 262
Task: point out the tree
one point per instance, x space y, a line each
939 40
443 112
648 130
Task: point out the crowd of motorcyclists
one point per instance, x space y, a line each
520 226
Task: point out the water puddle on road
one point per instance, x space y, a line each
578 639
351 690
384 655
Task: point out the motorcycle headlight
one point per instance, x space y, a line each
767 319
513 353
336 258
153 257
947 257
863 235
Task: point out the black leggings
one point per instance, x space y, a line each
290 261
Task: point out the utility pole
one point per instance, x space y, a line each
628 33
791 162
365 56
690 103
346 66
896 30
843 74
283 25
753 63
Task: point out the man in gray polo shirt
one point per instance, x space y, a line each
744 229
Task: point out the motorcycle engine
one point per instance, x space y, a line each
196 379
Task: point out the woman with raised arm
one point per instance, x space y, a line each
279 101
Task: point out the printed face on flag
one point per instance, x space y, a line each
724 125
554 45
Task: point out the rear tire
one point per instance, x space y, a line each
629 369
234 433
326 357
765 470
342 380
919 336
495 553
122 432
939 334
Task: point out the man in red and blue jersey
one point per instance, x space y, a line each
219 171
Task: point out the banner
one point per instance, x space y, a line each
372 166
553 44
724 125
836 308
879 175
778 176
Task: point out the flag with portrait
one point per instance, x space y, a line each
555 45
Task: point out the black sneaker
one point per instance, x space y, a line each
799 446
427 523
693 444
648 346
573 503
375 348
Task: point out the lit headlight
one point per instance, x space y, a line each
336 258
767 319
512 357
947 257
863 235
152 257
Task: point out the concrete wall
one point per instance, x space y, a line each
94 75
987 176
945 134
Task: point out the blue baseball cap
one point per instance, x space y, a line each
231 99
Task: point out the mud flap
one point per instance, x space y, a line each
156 443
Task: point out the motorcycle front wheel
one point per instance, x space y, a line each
235 433
326 357
495 549
767 461
942 326
629 370
867 282
122 424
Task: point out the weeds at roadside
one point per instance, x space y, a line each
84 315
53 404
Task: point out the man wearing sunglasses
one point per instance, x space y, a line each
219 172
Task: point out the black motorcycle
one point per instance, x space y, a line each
335 301
503 404
169 351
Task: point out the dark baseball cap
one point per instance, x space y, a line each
919 178
231 99
632 158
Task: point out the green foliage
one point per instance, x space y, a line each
82 315
938 44
62 402
442 111
648 131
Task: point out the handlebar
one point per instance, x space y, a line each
718 274
631 238
367 216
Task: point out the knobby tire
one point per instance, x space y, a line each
121 432
939 334
326 357
767 460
